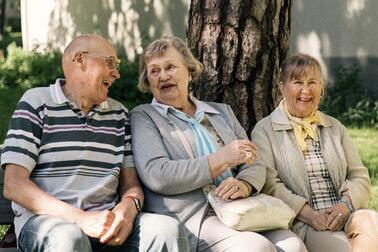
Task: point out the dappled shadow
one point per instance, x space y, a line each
129 24
338 32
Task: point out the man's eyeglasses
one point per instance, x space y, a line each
111 61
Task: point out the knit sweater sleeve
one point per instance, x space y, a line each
274 186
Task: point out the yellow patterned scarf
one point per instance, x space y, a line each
304 127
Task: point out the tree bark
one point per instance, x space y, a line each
241 45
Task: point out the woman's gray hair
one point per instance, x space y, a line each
158 48
298 65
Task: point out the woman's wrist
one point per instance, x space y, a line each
248 185
348 203
216 165
307 214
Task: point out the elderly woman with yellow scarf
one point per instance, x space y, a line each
313 166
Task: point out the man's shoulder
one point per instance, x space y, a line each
37 91
116 105
36 96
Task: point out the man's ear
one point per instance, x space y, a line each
79 58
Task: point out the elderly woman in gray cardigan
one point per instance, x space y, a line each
176 124
313 166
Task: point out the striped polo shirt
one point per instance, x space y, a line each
72 156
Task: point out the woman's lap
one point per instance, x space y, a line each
216 236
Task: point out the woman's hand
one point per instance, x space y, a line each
317 220
338 215
232 188
232 154
238 152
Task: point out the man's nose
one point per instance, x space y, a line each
115 73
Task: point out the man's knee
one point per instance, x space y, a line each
68 236
46 233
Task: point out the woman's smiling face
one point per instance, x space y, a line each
303 94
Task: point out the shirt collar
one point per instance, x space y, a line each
59 97
200 107
280 120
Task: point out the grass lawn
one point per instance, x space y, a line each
366 140
373 203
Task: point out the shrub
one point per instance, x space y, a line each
8 36
29 69
365 113
347 100
125 89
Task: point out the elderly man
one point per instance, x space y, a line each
69 167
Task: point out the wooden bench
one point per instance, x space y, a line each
8 242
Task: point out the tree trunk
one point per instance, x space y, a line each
242 45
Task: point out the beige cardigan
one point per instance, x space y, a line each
279 153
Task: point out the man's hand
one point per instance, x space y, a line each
125 213
337 217
96 223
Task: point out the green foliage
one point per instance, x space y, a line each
347 100
125 89
29 69
365 113
8 37
9 97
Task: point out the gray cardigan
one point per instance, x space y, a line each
287 179
172 181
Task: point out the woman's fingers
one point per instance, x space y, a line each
231 188
336 222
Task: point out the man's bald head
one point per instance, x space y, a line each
84 43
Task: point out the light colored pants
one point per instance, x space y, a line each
151 232
360 235
216 236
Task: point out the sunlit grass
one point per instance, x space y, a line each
373 203
366 140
